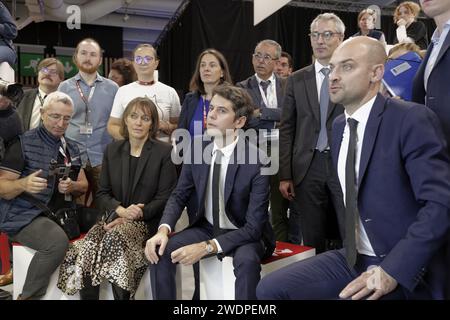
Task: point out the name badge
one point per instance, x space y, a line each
86 129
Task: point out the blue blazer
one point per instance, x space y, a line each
246 196
188 109
404 191
268 115
8 32
437 96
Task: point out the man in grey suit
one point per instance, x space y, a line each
267 92
50 75
306 171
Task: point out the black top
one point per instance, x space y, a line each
10 125
131 175
418 32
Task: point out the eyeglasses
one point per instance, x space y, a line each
145 59
327 35
51 72
266 58
144 117
57 117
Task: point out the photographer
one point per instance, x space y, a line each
29 167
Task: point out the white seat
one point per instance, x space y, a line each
21 260
217 277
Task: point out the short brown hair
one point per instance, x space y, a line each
196 83
412 7
91 40
126 70
240 99
50 61
145 45
148 107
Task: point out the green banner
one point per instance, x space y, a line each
29 63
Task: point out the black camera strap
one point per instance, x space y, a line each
38 203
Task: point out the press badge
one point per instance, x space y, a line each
86 129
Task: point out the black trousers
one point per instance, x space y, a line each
317 200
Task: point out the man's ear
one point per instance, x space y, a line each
377 72
240 122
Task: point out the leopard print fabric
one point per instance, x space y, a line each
117 256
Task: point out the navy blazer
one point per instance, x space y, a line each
404 190
190 103
268 115
8 32
437 96
246 196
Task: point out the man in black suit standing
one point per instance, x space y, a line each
267 92
306 172
50 75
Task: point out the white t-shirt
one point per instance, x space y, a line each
165 98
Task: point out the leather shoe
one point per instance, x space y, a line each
6 279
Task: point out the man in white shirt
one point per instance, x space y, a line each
50 75
233 195
165 98
394 171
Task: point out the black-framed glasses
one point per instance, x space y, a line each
51 72
264 57
326 35
57 117
143 59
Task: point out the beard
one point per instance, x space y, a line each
87 69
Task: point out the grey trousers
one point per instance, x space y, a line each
50 243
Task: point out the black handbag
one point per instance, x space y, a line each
66 218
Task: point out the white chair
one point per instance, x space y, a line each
217 277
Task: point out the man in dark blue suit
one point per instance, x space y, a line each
233 196
393 168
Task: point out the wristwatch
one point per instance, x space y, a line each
209 247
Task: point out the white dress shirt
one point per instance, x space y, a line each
271 99
319 77
438 40
363 245
36 111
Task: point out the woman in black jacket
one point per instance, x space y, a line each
137 178
409 29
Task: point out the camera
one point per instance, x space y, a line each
12 91
59 171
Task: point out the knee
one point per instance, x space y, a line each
247 263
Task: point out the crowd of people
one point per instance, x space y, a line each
364 177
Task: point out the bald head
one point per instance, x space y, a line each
357 70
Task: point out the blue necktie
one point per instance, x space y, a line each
322 142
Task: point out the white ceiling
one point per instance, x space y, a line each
141 20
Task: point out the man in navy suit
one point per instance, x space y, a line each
393 168
430 86
233 196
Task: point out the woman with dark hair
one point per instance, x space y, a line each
409 29
211 70
366 23
136 180
122 72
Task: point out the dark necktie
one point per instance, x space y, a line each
351 196
264 86
215 193
322 142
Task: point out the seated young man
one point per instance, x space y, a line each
232 219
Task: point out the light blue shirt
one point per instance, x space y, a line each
99 107
437 39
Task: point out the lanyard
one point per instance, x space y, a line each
205 114
86 101
62 150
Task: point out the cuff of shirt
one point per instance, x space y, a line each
165 225
219 248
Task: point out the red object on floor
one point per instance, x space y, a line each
285 249
4 254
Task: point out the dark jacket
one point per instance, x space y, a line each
153 183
